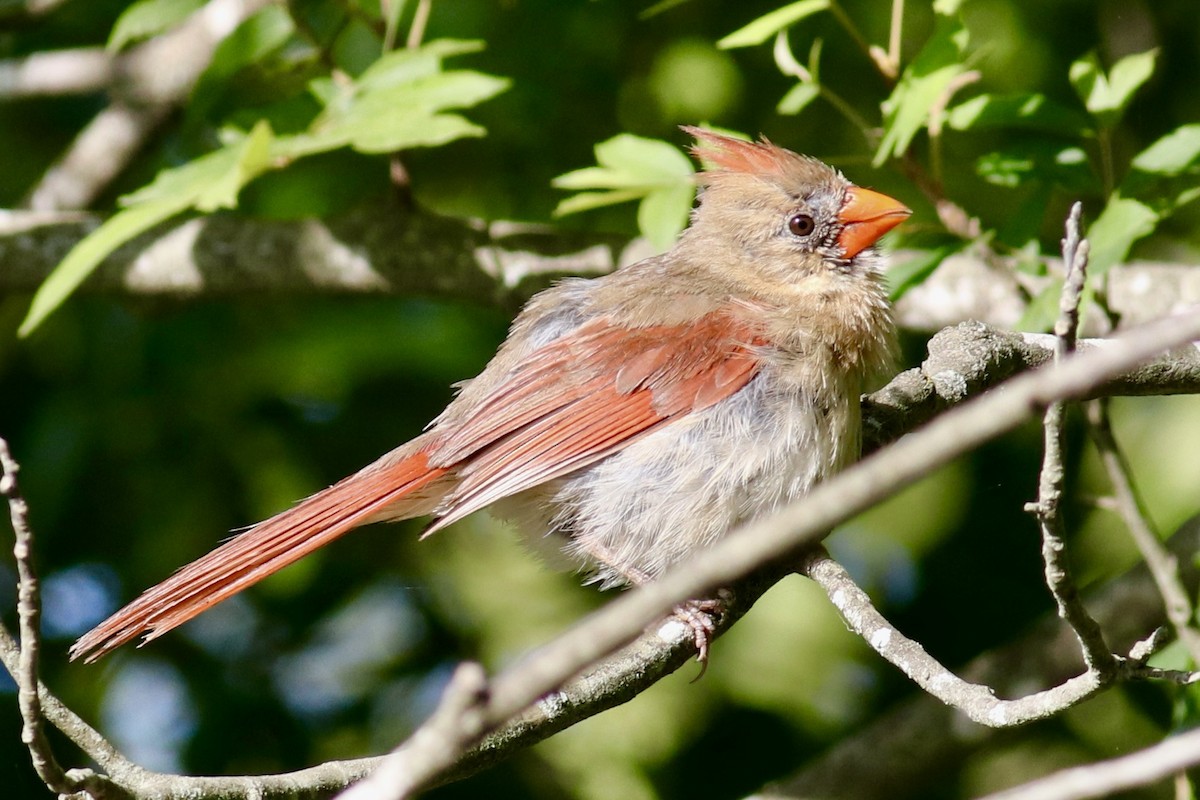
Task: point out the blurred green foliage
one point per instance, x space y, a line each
147 430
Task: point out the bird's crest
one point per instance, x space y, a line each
723 155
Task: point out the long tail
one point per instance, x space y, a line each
264 549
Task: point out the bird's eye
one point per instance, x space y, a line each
801 225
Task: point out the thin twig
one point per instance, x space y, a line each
1163 566
1106 778
978 702
29 614
416 31
1047 508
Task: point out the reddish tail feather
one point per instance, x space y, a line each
264 549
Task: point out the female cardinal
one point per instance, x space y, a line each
636 416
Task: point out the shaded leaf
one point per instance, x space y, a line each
768 25
1046 161
1026 111
255 39
148 18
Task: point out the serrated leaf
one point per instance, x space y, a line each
768 25
907 274
1022 111
1122 222
922 85
663 213
1107 96
89 253
798 98
148 18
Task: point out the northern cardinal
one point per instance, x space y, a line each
636 416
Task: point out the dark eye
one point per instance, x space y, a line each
801 225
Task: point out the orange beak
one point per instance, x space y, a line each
867 215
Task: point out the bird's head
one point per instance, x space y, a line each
784 211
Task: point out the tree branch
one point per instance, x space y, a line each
905 752
385 248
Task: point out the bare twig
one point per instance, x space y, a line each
910 749
1106 778
978 702
29 614
57 72
1163 566
1047 508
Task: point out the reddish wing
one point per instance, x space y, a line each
587 395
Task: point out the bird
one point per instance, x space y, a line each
635 417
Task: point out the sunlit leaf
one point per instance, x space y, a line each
635 168
798 98
1173 153
148 18
1122 222
922 85
210 182
1107 96
768 25
89 253
663 213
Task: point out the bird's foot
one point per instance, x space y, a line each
702 617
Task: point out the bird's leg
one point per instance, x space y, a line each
699 615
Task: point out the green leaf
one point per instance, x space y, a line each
251 157
768 25
148 18
1044 161
1174 153
635 168
208 183
922 85
1022 111
586 201
904 276
1122 222
89 253
1107 96
663 213
1042 311
259 36
798 98
650 158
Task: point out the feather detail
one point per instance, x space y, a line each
624 383
264 549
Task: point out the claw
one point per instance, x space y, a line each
701 616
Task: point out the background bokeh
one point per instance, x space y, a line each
149 429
